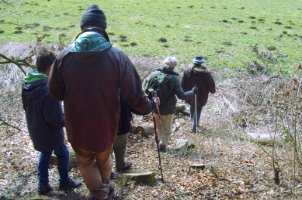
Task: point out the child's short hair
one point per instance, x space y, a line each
44 59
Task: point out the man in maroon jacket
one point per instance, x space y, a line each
199 76
90 75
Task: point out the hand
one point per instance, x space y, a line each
156 101
195 89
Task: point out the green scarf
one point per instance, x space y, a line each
89 41
34 76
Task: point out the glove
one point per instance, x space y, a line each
195 89
156 100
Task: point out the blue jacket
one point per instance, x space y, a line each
44 116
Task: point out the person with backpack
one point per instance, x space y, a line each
165 81
198 75
89 76
45 121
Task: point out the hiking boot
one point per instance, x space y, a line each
44 188
110 194
162 148
126 167
70 185
111 189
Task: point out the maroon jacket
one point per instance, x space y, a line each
204 81
90 83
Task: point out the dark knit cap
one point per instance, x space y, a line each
93 16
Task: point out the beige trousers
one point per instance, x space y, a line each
95 168
164 127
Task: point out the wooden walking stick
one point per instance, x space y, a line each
196 113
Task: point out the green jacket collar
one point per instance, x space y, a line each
34 76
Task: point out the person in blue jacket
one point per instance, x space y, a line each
45 121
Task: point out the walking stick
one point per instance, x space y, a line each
156 139
196 113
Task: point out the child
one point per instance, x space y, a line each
45 121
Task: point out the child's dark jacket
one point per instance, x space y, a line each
44 116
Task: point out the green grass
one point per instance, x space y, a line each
222 30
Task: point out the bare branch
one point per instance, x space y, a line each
4 123
19 63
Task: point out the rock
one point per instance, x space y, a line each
183 143
138 176
197 166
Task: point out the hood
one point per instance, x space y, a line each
89 41
34 84
200 70
34 76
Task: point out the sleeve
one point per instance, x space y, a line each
211 84
131 87
55 83
135 112
126 108
180 92
52 111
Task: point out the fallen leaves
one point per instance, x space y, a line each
234 168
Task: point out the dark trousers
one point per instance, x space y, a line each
62 154
193 116
119 149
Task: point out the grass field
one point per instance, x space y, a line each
223 30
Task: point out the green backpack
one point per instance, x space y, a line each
158 82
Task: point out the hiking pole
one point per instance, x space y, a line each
156 138
195 113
